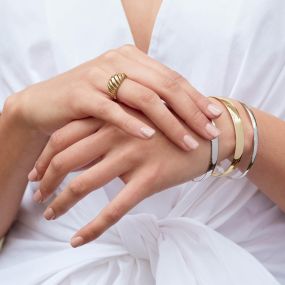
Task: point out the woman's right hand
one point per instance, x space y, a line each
82 93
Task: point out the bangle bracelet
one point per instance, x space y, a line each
255 141
213 159
239 136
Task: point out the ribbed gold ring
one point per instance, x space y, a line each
114 84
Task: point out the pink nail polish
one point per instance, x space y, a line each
33 175
147 132
190 142
215 110
212 130
49 214
77 241
37 197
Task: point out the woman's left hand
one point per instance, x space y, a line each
146 166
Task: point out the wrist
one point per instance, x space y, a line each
227 140
13 115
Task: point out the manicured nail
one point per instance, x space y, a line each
76 241
49 214
190 142
33 175
212 130
215 110
147 132
38 196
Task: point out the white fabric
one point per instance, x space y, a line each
218 232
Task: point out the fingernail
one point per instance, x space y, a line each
212 130
190 142
215 110
33 175
76 241
147 132
49 214
38 196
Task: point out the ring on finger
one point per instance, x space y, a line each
114 84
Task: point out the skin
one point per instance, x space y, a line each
148 10
147 168
32 115
141 169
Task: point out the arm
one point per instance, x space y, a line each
269 169
30 116
147 168
19 149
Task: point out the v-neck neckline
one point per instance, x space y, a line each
155 29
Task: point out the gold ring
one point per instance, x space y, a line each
114 84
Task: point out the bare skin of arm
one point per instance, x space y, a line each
148 170
21 146
19 150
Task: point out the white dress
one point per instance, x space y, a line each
217 232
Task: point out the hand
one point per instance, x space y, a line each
82 92
146 169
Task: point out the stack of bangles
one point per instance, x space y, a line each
213 169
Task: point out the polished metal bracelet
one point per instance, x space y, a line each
239 137
213 159
255 142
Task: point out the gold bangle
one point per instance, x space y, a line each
239 136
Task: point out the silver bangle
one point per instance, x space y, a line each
213 159
255 142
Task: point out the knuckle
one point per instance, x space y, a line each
197 117
56 164
126 48
176 76
110 56
108 131
154 172
132 155
77 188
147 97
56 141
40 166
113 214
170 84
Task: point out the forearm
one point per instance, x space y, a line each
268 170
19 150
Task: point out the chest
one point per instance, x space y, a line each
141 16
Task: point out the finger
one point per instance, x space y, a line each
60 140
147 101
130 196
94 103
139 97
97 176
210 109
72 158
169 90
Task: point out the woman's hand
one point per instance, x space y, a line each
146 167
82 92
